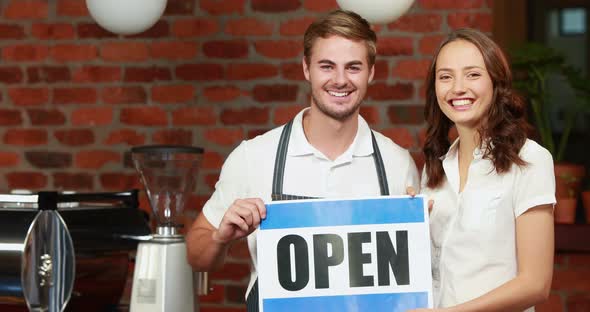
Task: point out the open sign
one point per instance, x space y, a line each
345 255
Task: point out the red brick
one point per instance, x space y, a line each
579 261
222 7
381 70
226 49
28 96
97 74
124 51
75 137
249 71
25 137
233 272
418 158
10 74
401 136
146 74
281 49
571 280
422 91
174 50
252 133
124 95
553 304
450 4
273 6
144 116
173 137
406 115
48 160
46 117
282 114
191 116
245 116
481 21
57 31
195 27
227 136
212 160
296 27
200 72
72 8
48 74
411 69
578 302
125 136
10 117
418 23
394 46
73 181
26 9
94 116
25 52
173 93
27 180
429 44
93 31
275 93
11 31
180 7
249 27
73 53
239 250
160 29
74 96
221 93
9 159
240 308
382 91
119 181
96 159
293 71
320 5
216 295
370 114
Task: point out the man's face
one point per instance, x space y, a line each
339 74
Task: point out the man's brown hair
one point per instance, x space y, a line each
344 24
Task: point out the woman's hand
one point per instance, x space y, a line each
412 192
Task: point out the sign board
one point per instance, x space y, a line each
370 254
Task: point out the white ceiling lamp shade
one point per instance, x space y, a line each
377 11
126 17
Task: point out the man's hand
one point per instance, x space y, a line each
241 219
412 192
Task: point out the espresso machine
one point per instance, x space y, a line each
163 280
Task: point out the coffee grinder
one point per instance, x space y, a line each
163 279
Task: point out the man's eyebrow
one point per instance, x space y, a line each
324 61
351 63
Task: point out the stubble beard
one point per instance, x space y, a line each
334 114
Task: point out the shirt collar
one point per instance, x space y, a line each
299 146
452 152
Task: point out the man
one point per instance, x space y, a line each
326 151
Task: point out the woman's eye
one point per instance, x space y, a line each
473 75
444 77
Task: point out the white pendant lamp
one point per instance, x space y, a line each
126 17
377 11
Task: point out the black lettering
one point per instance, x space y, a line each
356 259
322 261
301 262
387 257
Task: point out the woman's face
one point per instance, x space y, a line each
464 89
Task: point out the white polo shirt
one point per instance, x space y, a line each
473 231
248 172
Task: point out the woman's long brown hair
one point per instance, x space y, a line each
505 129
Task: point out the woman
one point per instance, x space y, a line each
493 189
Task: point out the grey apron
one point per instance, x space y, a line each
277 190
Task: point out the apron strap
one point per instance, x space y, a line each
380 167
281 158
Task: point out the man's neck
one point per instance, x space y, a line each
329 136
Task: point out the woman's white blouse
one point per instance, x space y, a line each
473 231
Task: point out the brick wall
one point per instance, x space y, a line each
210 73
